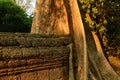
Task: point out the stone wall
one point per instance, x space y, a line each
34 57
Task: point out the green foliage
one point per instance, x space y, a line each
13 18
103 16
94 8
95 16
113 18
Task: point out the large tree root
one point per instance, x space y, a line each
99 67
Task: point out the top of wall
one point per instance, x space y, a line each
32 40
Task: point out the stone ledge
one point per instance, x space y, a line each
32 35
32 40
10 52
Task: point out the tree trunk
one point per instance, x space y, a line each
62 17
78 34
98 67
50 17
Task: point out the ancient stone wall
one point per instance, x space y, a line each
34 57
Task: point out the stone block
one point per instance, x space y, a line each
59 73
32 40
16 63
11 53
3 64
36 75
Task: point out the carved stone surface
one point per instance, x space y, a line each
60 73
31 57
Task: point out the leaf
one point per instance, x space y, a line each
105 22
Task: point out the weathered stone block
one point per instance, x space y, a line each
11 77
7 40
29 40
35 61
33 57
11 53
59 73
37 75
30 52
3 64
3 72
16 63
24 41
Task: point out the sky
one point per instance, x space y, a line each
31 9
